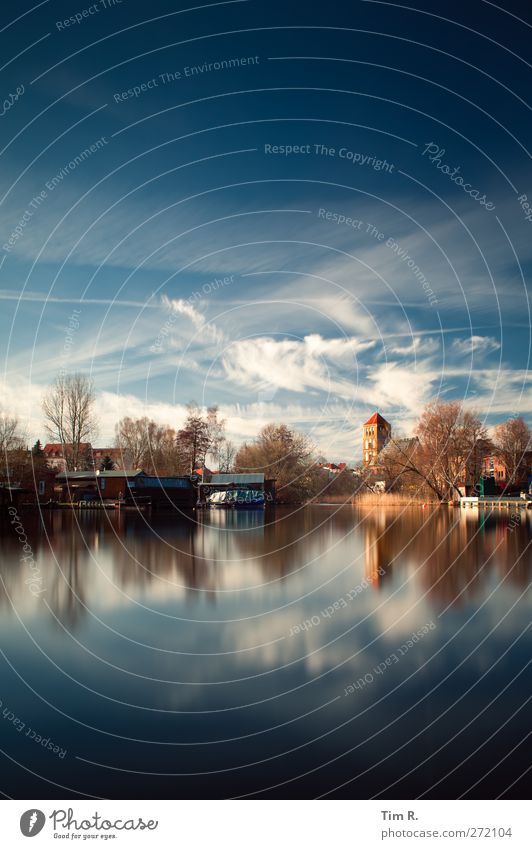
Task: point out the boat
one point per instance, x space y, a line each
216 499
237 499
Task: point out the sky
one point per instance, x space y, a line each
299 212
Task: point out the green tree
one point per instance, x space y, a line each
39 462
37 451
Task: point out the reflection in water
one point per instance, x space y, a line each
453 552
182 628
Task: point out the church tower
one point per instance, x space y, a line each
376 432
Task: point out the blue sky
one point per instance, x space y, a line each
203 238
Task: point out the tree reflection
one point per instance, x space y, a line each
87 558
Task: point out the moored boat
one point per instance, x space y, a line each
237 499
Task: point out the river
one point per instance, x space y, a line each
318 651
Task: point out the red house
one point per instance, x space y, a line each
55 453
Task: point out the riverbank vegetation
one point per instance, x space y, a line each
445 453
376 499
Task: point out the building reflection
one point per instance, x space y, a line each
453 552
378 555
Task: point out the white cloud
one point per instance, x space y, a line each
182 307
296 365
476 344
405 387
416 347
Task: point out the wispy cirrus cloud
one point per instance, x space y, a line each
477 345
297 365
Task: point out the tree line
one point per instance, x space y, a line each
69 412
447 450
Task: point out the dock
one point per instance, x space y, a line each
498 502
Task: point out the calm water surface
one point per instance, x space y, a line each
216 656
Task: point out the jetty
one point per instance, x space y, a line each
503 502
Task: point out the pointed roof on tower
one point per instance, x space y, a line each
377 419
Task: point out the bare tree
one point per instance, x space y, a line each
449 438
402 463
512 441
158 449
13 454
287 456
193 439
11 435
132 437
445 454
226 456
163 456
216 435
69 412
149 446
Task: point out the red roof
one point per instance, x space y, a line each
57 447
333 467
376 419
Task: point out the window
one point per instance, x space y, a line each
42 485
102 483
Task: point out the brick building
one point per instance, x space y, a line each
493 467
92 458
114 454
376 432
55 454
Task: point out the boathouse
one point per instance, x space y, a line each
232 480
95 485
163 492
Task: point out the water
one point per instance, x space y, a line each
243 653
